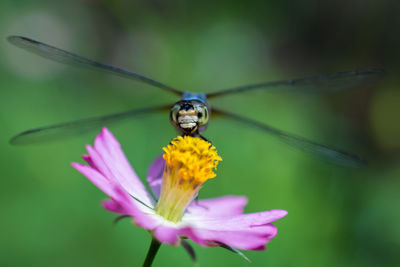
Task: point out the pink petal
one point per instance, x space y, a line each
242 220
217 207
114 207
244 239
246 231
96 162
89 161
141 215
155 174
108 158
167 234
121 201
96 178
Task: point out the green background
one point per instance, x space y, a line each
51 214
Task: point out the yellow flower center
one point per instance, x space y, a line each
189 162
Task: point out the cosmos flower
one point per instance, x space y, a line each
175 179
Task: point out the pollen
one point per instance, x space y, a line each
189 162
194 157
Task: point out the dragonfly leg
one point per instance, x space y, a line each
196 202
205 139
116 220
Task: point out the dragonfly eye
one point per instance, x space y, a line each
202 114
175 112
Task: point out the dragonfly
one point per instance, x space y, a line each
190 115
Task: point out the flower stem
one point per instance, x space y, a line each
151 254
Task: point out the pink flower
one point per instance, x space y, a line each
209 222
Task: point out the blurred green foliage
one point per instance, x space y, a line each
51 214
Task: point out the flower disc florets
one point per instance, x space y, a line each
189 162
193 157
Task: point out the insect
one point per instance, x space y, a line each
190 115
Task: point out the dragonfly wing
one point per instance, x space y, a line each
332 154
315 84
73 128
68 58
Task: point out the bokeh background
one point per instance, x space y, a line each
51 214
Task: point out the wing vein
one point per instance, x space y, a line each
68 58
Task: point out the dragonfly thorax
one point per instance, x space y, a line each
190 117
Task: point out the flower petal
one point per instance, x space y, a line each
243 239
245 231
89 161
96 178
155 174
121 201
142 216
242 220
167 234
216 207
109 159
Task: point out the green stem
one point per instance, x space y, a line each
151 254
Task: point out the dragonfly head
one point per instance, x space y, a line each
188 116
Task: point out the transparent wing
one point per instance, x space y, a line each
332 154
73 128
321 83
68 58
